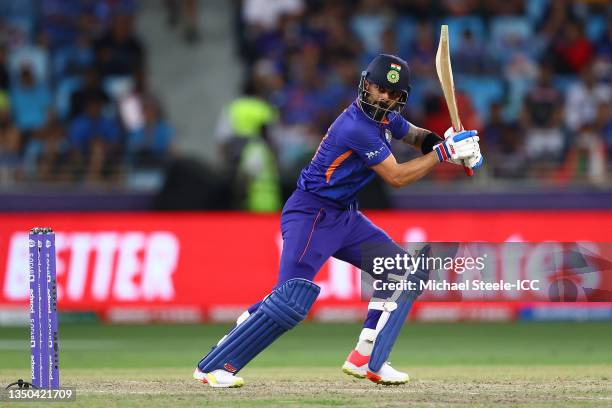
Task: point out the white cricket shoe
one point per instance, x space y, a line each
218 379
356 365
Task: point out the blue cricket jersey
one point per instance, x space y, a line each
353 144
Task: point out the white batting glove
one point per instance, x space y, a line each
474 162
458 146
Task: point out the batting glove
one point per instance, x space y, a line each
475 162
458 146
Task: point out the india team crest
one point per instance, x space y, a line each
393 76
388 135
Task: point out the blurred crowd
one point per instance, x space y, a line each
532 75
75 103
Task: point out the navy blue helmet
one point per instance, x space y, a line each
387 72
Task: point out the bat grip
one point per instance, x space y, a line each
468 171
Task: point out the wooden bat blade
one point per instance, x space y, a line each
445 75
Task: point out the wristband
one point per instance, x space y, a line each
442 151
430 140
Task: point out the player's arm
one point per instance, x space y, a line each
457 147
401 174
421 139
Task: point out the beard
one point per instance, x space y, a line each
378 109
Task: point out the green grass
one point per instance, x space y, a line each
503 364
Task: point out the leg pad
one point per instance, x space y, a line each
393 317
279 312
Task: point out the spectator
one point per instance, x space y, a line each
4 72
62 21
242 119
330 24
119 51
91 88
388 42
542 100
572 50
30 100
423 53
304 94
602 63
10 142
258 177
131 102
583 98
185 12
504 145
50 163
421 10
504 7
604 125
151 144
36 56
546 146
264 15
542 119
244 134
370 21
437 120
459 8
73 59
94 142
587 154
341 89
436 113
470 55
603 46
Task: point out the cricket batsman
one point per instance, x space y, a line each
321 219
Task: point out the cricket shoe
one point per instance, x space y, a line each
218 379
356 365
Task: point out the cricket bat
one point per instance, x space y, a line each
445 75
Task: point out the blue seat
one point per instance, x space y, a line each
458 25
595 27
405 28
483 91
515 31
535 9
563 82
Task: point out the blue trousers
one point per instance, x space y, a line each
314 229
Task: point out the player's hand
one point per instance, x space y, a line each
458 146
474 162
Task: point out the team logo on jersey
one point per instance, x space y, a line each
371 155
388 135
393 76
